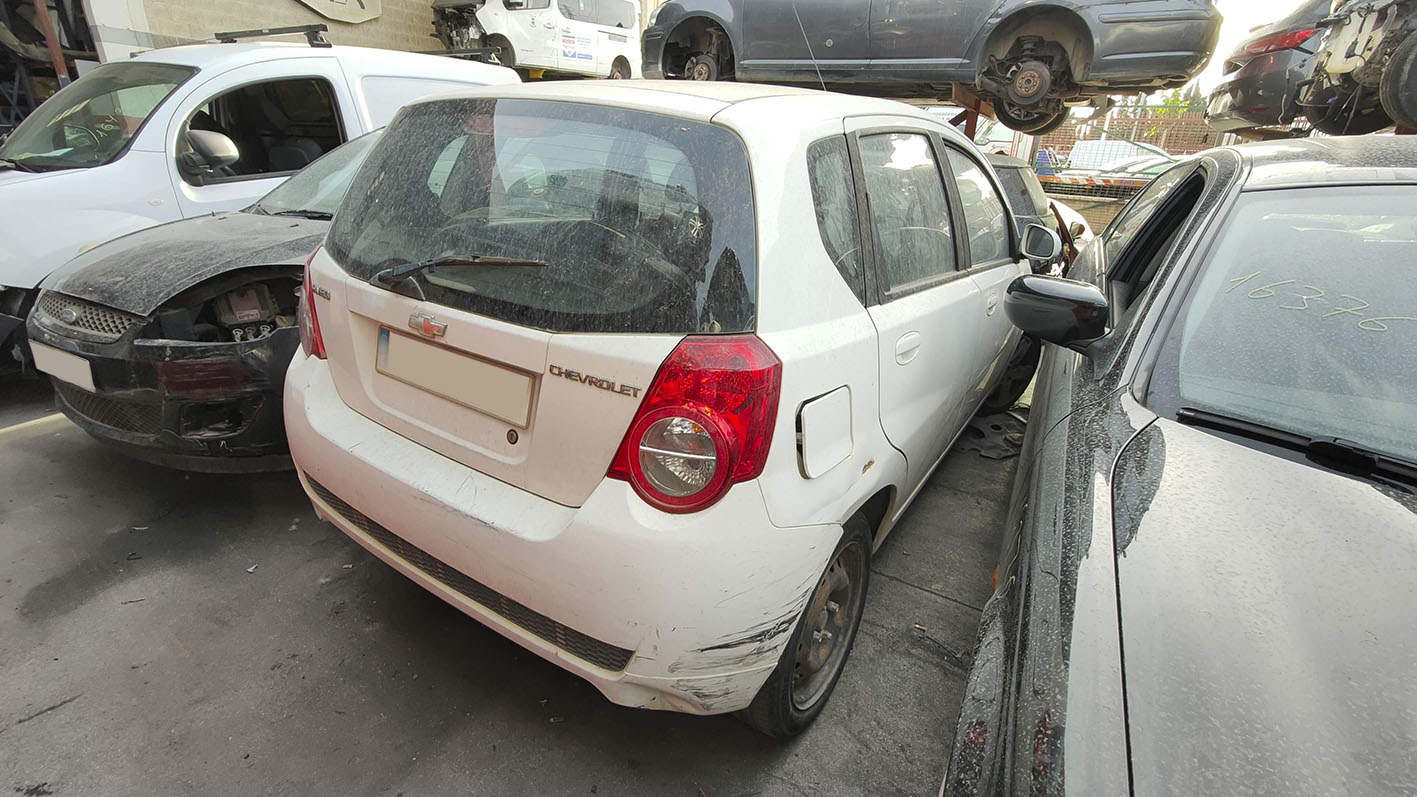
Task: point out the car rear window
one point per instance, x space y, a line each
644 221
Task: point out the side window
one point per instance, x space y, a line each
578 10
1133 271
278 127
834 196
527 5
985 220
910 210
1129 222
616 14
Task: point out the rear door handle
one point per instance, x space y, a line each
991 304
907 347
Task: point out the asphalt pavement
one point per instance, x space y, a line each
167 633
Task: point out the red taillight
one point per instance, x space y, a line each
311 342
706 423
1280 41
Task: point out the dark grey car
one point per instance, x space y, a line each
1262 75
1025 58
1206 580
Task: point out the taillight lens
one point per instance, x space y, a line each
706 423
311 342
1280 41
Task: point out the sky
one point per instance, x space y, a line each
1240 17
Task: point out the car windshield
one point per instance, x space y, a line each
317 189
645 221
1304 319
91 121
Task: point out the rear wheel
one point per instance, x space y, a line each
812 662
1028 120
702 67
505 56
1398 89
620 70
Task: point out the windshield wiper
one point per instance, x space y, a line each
317 215
1341 455
6 163
390 277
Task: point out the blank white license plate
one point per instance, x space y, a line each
62 365
496 390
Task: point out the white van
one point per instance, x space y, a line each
592 38
185 131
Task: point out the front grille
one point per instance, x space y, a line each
95 319
128 416
599 653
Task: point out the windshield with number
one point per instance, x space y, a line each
316 190
91 121
1305 319
644 221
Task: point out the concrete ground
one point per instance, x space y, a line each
140 654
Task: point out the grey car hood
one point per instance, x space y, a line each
138 272
1267 621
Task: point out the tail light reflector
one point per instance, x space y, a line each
706 423
1280 41
311 342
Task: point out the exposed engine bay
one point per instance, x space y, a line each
246 306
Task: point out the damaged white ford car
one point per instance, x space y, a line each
639 375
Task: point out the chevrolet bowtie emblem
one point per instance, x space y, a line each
427 326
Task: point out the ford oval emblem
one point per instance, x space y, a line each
68 315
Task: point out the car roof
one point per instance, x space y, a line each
702 101
1329 161
211 55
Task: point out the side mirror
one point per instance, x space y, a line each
1041 243
1057 310
1076 229
210 151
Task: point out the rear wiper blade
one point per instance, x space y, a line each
392 276
6 163
1343 455
317 215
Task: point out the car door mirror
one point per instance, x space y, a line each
1076 229
1041 243
1057 310
210 151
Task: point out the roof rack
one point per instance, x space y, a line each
312 34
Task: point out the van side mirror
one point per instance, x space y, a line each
1041 243
210 151
1062 311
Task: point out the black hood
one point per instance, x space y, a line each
138 272
1268 624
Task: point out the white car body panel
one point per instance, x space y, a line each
706 600
51 217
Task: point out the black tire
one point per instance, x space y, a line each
507 56
1017 376
620 70
1035 124
778 710
1397 91
1339 119
701 67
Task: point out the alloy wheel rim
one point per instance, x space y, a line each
830 617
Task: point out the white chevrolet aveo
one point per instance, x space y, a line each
638 375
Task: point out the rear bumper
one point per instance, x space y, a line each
236 429
1263 92
1153 43
678 612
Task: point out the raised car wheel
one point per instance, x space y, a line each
620 70
1036 123
702 67
813 659
1398 88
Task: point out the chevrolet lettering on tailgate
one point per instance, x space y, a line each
595 381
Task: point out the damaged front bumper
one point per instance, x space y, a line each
208 407
680 612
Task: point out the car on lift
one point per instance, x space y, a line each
182 132
171 343
570 385
1205 579
1029 60
1263 74
588 38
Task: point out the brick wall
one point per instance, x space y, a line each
404 25
1176 131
